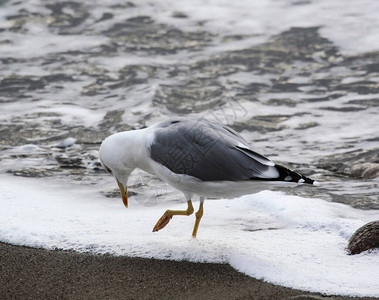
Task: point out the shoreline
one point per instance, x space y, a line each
57 274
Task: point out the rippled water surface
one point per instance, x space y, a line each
303 91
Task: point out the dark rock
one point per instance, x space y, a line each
365 170
365 238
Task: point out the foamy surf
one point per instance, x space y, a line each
286 240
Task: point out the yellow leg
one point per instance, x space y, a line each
167 216
198 214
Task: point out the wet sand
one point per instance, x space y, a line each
28 273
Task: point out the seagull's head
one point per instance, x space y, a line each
117 157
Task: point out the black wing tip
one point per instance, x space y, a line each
291 176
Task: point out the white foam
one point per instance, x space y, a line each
39 40
290 241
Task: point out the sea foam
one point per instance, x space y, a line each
287 240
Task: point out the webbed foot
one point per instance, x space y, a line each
167 216
162 222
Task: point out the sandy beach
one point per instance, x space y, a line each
28 273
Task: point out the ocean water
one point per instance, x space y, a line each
298 79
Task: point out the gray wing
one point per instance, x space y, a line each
208 151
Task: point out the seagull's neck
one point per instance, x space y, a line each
137 143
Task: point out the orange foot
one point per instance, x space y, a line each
162 222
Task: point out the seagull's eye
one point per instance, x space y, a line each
107 169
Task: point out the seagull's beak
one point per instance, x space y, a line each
124 193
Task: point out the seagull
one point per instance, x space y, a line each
198 157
